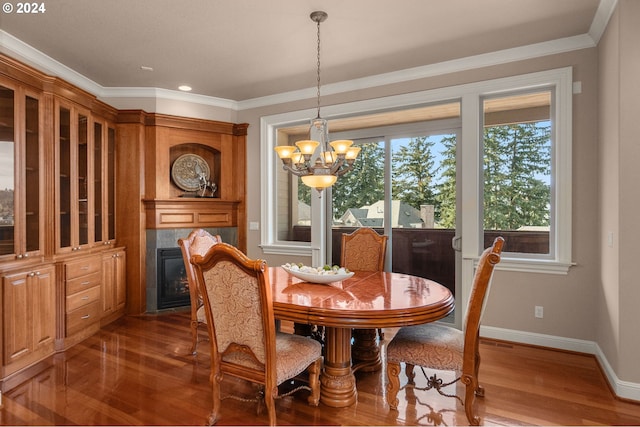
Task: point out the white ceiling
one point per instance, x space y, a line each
245 49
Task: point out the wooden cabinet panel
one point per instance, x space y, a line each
114 290
83 317
82 267
28 314
81 298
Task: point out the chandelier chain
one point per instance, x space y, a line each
318 72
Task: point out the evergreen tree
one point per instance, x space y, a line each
412 173
517 158
364 184
446 190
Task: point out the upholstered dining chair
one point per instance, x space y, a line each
197 242
244 342
364 250
439 347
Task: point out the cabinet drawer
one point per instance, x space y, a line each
83 298
82 267
82 317
83 283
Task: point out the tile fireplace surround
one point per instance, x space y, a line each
168 238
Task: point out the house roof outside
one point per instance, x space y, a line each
402 216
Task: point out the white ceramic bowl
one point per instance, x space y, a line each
318 278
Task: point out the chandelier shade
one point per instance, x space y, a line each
334 159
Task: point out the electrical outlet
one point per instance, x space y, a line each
539 312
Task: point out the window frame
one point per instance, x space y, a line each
471 95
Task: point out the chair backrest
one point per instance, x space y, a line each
363 250
197 242
239 311
479 291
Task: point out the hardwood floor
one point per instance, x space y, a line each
137 371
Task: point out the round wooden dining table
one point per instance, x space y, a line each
368 300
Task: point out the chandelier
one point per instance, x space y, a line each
335 159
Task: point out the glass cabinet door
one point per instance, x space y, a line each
111 184
74 189
32 176
64 178
7 171
98 171
82 162
20 176
104 139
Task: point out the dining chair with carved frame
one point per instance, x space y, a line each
197 242
244 341
441 347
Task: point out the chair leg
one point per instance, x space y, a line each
393 384
271 405
411 375
314 382
215 411
471 385
194 336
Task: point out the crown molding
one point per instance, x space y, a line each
463 64
601 19
172 95
21 51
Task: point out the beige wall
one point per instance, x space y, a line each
608 308
618 332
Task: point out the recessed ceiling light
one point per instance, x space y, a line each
184 88
145 68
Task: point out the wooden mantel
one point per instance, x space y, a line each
191 213
148 198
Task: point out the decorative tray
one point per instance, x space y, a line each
322 275
187 170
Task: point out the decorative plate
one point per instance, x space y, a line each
318 278
187 169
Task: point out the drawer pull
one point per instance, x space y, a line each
86 282
86 316
84 298
84 267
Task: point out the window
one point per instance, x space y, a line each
517 170
528 113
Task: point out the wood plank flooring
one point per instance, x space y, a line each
137 371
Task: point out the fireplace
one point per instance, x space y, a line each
173 287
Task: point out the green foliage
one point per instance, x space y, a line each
413 173
364 184
516 168
516 159
446 189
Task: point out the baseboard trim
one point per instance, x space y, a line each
622 389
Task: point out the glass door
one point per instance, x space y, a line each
404 184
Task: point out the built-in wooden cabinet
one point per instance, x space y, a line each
57 218
28 316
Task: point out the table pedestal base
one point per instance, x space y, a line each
366 350
338 384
